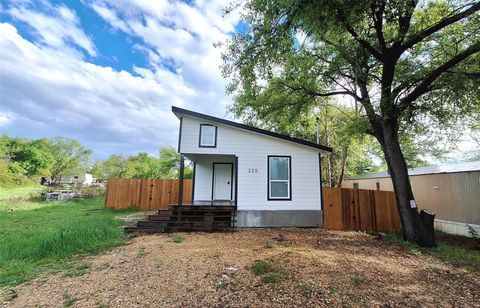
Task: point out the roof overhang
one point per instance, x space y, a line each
179 111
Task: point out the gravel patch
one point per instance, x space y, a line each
309 268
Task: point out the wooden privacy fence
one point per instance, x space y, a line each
360 210
145 194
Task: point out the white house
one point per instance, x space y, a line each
274 180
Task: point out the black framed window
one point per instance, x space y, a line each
208 136
279 178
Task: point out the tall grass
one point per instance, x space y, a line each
51 234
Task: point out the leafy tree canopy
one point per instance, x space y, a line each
410 67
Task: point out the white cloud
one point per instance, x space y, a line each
51 94
47 87
4 119
56 26
179 33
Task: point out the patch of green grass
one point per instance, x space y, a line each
176 239
332 288
68 301
102 266
19 197
457 253
51 235
7 193
261 267
272 277
78 270
141 252
266 269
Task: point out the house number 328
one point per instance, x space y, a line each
252 170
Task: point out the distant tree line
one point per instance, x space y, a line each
24 160
141 166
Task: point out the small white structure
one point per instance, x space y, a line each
60 195
75 179
273 179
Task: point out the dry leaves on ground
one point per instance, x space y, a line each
309 268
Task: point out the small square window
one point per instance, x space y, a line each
208 136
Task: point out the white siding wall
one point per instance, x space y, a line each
252 150
203 175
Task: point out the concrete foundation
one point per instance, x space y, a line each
298 218
454 227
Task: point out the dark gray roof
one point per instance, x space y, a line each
450 168
194 114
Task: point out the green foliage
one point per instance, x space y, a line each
261 267
457 252
69 301
265 269
176 239
272 278
142 166
294 56
22 158
46 236
472 232
77 269
69 156
9 178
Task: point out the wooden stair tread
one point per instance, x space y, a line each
188 218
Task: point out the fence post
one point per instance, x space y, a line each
180 186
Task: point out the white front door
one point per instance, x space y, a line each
222 181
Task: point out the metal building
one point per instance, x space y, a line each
451 191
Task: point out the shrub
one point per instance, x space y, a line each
176 239
9 178
261 267
272 277
88 192
472 232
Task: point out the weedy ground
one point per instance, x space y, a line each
307 267
36 236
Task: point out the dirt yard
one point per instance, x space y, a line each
308 268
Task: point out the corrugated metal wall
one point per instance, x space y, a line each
452 196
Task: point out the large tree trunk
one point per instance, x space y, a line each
414 228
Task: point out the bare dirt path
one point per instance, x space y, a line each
315 268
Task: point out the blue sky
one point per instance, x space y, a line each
107 72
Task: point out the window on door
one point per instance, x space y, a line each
279 178
208 136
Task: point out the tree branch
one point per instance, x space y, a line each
363 42
418 37
378 23
427 81
315 93
404 21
